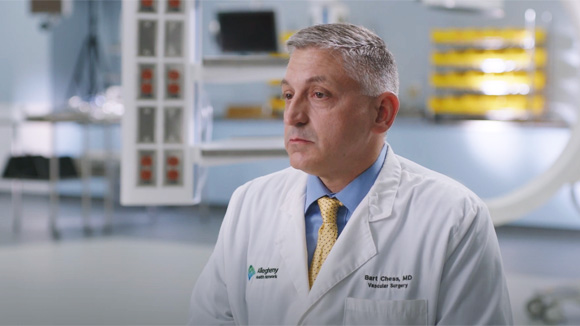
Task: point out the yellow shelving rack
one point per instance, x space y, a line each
488 73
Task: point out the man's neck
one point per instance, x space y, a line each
340 180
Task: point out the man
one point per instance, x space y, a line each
351 234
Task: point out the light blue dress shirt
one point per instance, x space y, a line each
350 197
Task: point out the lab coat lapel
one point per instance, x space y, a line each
291 237
354 247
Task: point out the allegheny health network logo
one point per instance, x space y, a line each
262 272
251 272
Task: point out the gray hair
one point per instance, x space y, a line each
364 54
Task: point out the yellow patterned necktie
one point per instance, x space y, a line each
327 235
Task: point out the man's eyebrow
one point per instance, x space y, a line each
314 79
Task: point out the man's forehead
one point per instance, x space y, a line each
313 65
310 80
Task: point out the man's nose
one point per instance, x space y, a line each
295 113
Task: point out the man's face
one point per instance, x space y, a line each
327 121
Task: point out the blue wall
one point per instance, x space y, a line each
24 57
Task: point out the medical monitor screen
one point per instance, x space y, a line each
247 31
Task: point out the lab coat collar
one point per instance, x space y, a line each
381 196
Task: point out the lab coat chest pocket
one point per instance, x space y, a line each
383 312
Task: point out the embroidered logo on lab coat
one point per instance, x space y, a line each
263 272
251 272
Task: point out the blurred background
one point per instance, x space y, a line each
125 126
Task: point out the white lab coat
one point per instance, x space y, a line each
419 250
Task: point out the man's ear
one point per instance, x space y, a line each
387 105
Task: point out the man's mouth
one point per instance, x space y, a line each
298 140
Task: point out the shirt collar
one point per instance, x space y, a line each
353 193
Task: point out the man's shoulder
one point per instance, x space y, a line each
454 206
445 186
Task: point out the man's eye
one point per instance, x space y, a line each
319 94
287 96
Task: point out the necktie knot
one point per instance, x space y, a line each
328 208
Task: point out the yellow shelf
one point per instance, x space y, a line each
520 82
494 60
484 104
505 36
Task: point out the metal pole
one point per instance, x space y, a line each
16 185
53 175
86 177
16 208
110 176
92 50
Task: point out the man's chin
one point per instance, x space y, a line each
303 165
299 164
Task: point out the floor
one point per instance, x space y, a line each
142 272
